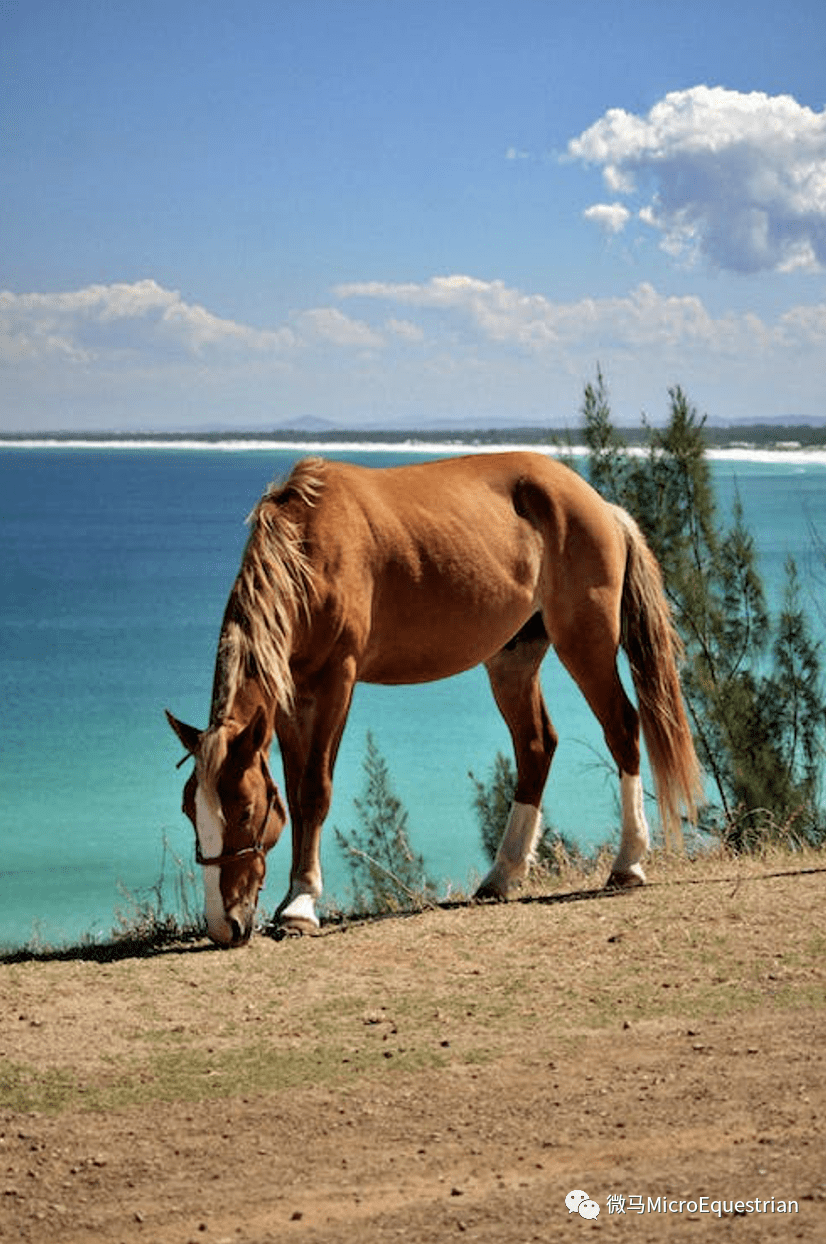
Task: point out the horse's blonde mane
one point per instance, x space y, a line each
273 590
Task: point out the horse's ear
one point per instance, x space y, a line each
245 746
189 736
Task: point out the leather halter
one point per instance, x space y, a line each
255 848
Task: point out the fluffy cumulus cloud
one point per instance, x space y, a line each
120 320
441 343
739 178
646 338
143 321
612 217
501 314
146 323
332 326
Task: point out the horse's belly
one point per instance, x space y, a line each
437 641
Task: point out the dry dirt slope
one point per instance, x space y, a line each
451 1075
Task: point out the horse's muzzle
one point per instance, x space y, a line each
239 933
235 929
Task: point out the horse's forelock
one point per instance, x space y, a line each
211 755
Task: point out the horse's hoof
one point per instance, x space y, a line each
296 926
489 894
296 916
624 880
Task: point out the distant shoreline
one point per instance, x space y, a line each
781 435
776 443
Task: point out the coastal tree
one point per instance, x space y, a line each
752 683
386 873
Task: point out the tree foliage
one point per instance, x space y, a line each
386 873
492 801
752 683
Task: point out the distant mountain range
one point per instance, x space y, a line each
469 424
772 421
808 430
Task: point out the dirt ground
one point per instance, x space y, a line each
448 1075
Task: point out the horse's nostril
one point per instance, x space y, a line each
236 931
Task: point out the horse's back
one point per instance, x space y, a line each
466 483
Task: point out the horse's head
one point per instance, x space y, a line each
238 815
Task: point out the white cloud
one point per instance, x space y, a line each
660 331
509 316
121 320
741 178
501 312
512 350
612 217
198 328
439 291
406 330
146 323
452 343
802 326
328 324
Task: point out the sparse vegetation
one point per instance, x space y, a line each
386 873
147 917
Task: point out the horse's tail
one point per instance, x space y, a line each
653 648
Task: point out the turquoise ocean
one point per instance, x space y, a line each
115 565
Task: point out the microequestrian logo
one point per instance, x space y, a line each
579 1202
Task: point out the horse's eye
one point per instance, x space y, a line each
245 817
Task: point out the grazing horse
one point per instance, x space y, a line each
404 575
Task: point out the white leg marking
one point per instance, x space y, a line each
209 826
516 851
635 840
299 905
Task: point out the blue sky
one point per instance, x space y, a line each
240 214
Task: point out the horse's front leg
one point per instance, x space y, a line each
309 749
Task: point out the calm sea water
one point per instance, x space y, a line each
115 565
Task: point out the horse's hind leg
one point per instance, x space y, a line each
514 679
590 656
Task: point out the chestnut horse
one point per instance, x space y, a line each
404 575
